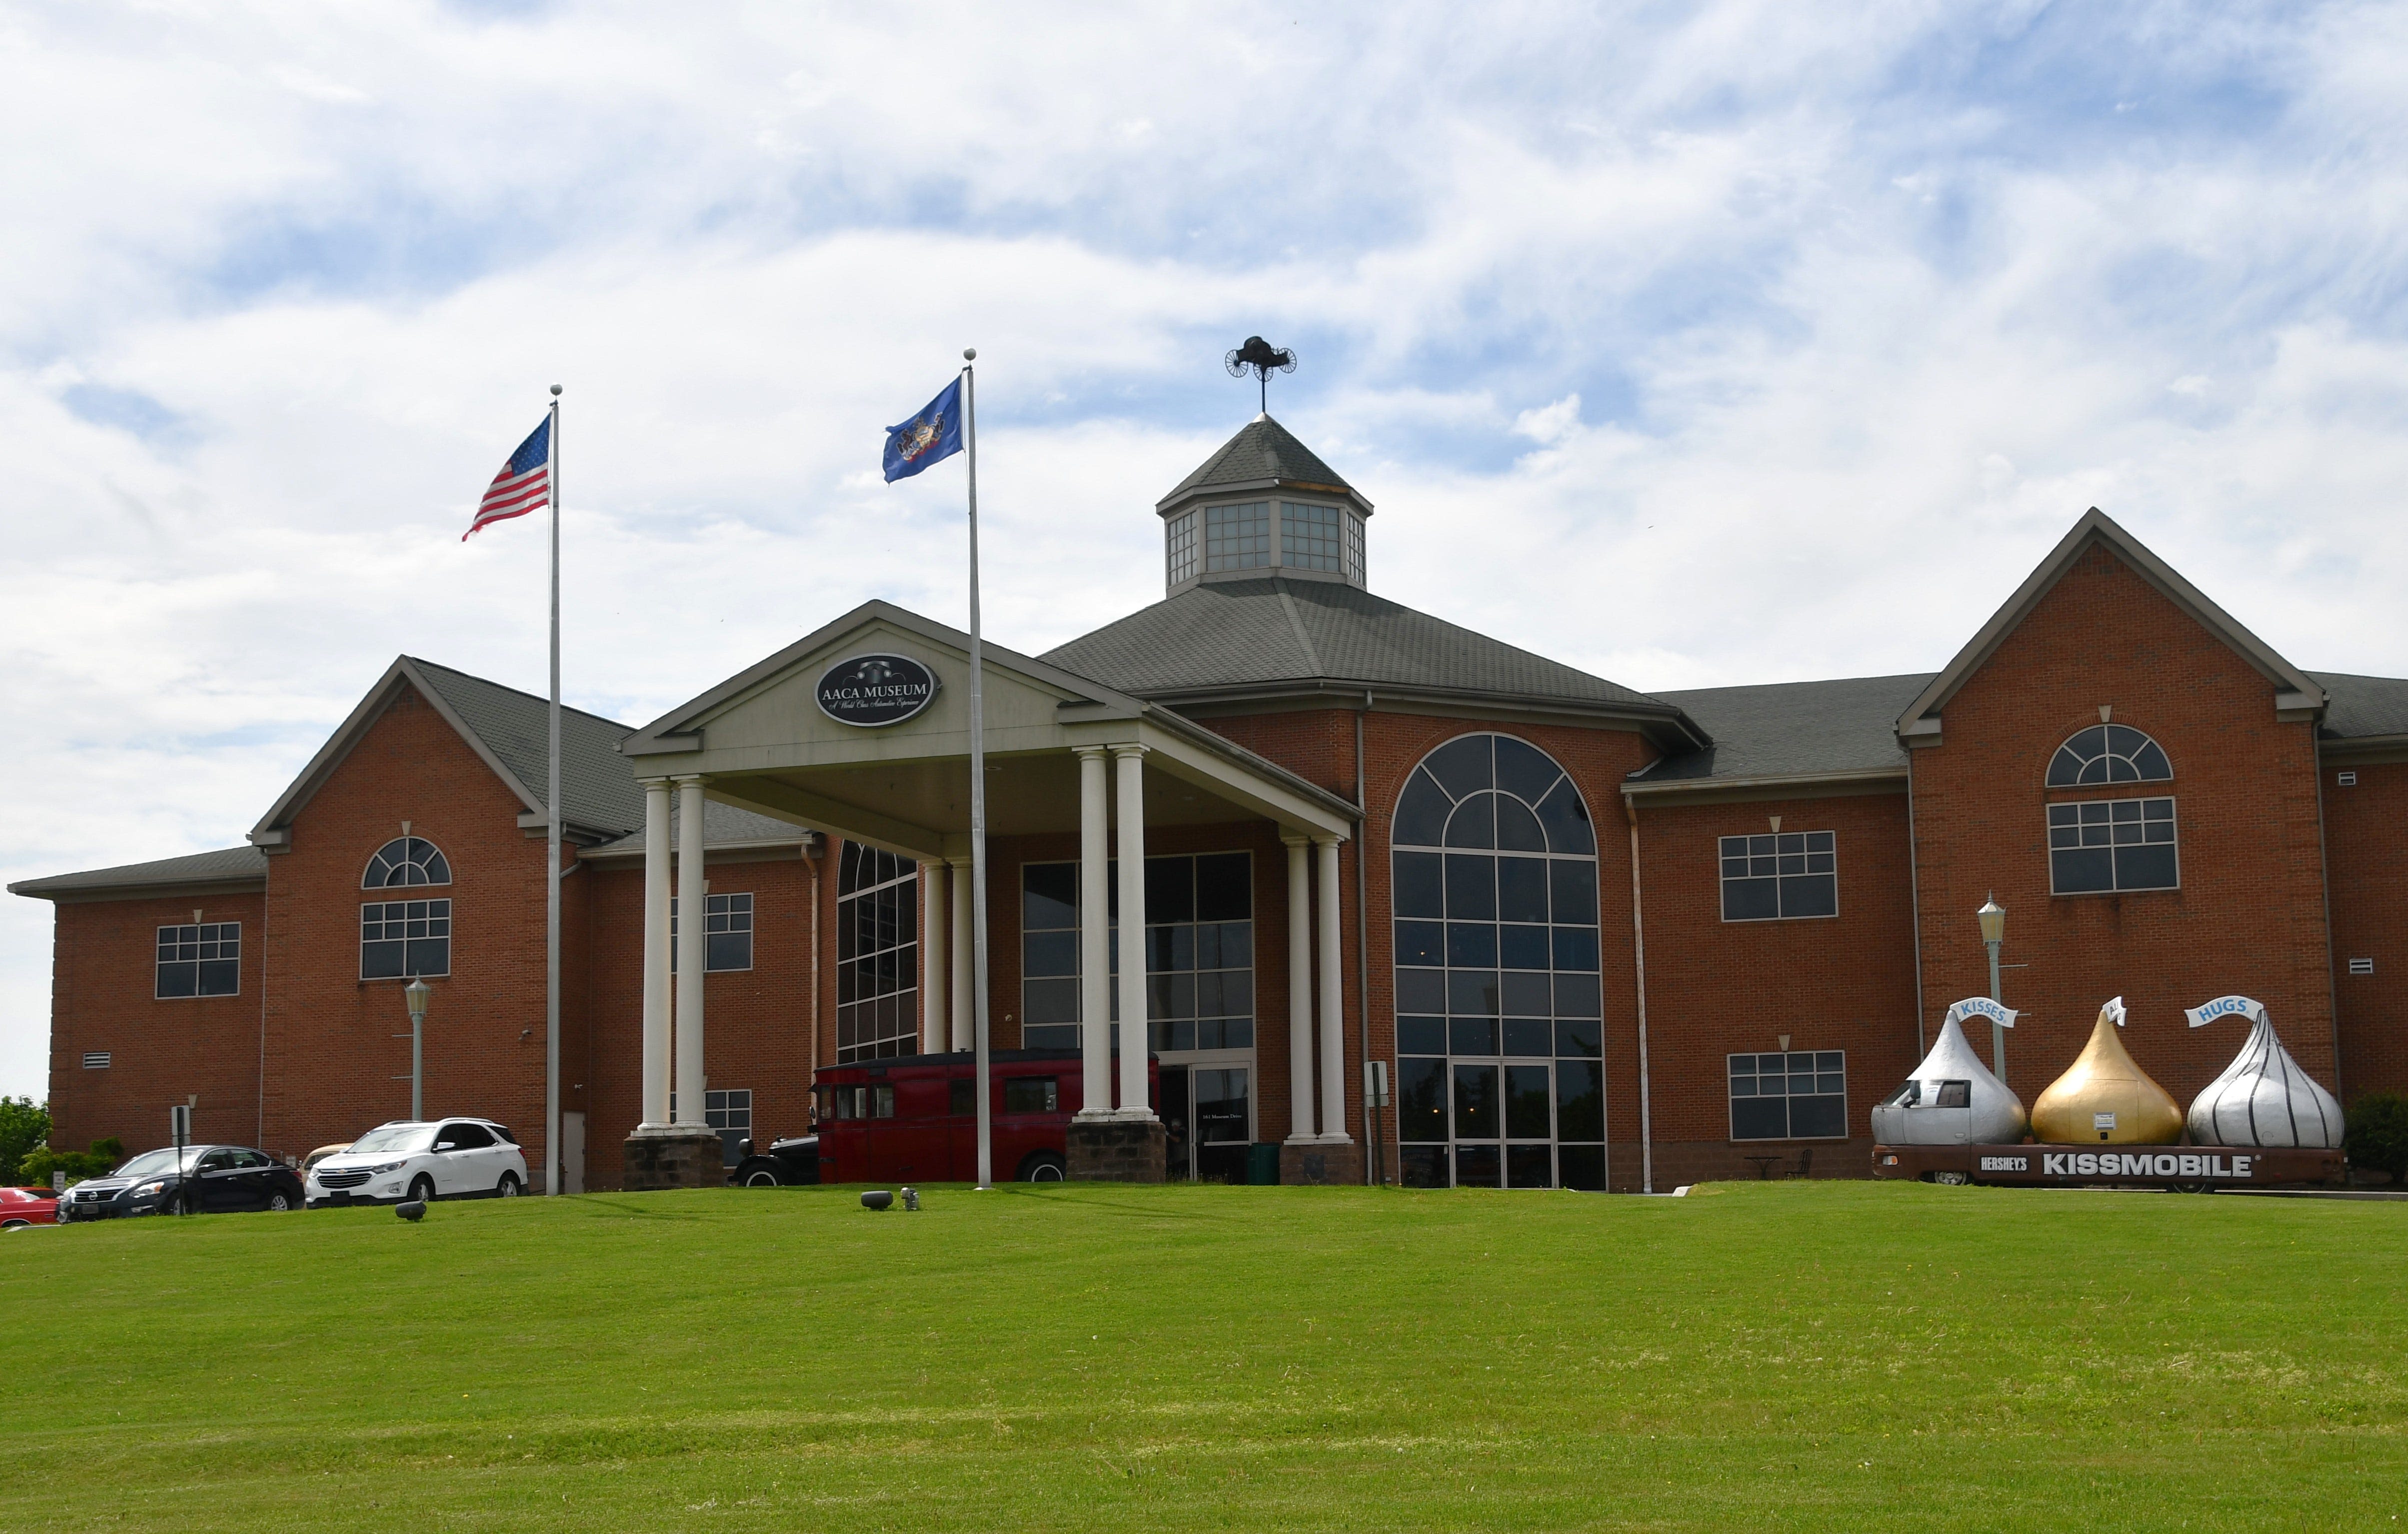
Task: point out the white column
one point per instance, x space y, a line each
1300 988
1094 935
936 968
654 1108
964 996
690 880
1333 1005
1135 1101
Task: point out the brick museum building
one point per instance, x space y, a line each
1599 937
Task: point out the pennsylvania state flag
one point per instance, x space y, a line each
934 433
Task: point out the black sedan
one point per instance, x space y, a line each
207 1180
787 1164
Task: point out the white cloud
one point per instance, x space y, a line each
1762 341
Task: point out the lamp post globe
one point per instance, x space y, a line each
1993 917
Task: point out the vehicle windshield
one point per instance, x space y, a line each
151 1163
394 1137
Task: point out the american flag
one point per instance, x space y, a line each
524 483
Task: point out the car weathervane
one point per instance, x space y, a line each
1262 359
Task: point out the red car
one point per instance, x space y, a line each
22 1206
915 1118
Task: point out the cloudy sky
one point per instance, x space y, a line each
1702 343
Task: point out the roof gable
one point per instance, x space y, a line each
2297 689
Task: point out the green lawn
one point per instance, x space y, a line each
1823 1356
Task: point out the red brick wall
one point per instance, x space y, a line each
334 1067
103 996
1713 987
2369 862
2249 916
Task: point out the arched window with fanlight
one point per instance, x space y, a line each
2099 846
1500 1075
408 937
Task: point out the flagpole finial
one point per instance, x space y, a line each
555 391
969 353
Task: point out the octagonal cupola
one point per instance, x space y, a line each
1264 505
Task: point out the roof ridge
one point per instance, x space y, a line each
565 707
1295 622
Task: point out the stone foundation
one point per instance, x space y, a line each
1317 1164
680 1157
1117 1151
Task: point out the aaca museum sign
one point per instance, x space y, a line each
871 690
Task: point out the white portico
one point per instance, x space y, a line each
840 733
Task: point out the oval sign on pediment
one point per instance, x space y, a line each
872 690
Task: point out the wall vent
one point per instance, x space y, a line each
2349 780
97 1060
2361 966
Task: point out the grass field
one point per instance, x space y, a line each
1798 1355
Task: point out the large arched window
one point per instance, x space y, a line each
1501 1077
2108 753
406 860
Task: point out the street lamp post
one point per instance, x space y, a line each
1993 917
417 991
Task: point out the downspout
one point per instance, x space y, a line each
1639 956
813 851
1363 949
2324 880
260 1139
1914 898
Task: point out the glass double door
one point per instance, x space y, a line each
1504 1123
1208 1118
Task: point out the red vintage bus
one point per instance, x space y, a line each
915 1118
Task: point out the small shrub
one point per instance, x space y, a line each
36 1167
24 1125
2377 1136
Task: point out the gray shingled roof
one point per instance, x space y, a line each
1792 729
2363 705
721 823
1262 450
596 789
225 866
1227 636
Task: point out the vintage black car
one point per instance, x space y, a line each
787 1164
208 1179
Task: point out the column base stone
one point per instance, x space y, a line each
1117 1149
1320 1164
672 1156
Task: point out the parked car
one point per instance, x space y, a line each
915 1118
432 1158
321 1154
786 1164
207 1180
22 1207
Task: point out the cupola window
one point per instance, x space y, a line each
1309 536
1238 537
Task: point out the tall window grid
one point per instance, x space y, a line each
1355 554
2109 846
1796 1095
1309 536
1780 877
1500 1025
1238 537
878 956
1181 546
200 959
730 1113
726 932
1200 953
404 937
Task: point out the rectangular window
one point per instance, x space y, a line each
1238 537
200 959
1354 548
1801 1095
1032 1094
2361 966
402 937
731 1115
1780 877
1182 547
2107 846
1309 536
878 956
726 932
1199 952
97 1060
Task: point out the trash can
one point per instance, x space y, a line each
1261 1165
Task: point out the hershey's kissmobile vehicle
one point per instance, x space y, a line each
2179 1166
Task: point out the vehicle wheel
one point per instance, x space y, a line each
14 1225
759 1177
279 1202
422 1188
1043 1166
507 1187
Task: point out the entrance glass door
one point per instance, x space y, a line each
1207 1117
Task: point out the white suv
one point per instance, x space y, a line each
439 1158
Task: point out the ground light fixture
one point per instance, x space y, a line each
879 1199
1993 919
415 993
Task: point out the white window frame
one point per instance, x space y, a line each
204 934
2174 842
1787 1096
1805 850
716 908
450 935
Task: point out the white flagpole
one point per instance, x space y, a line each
978 796
551 856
